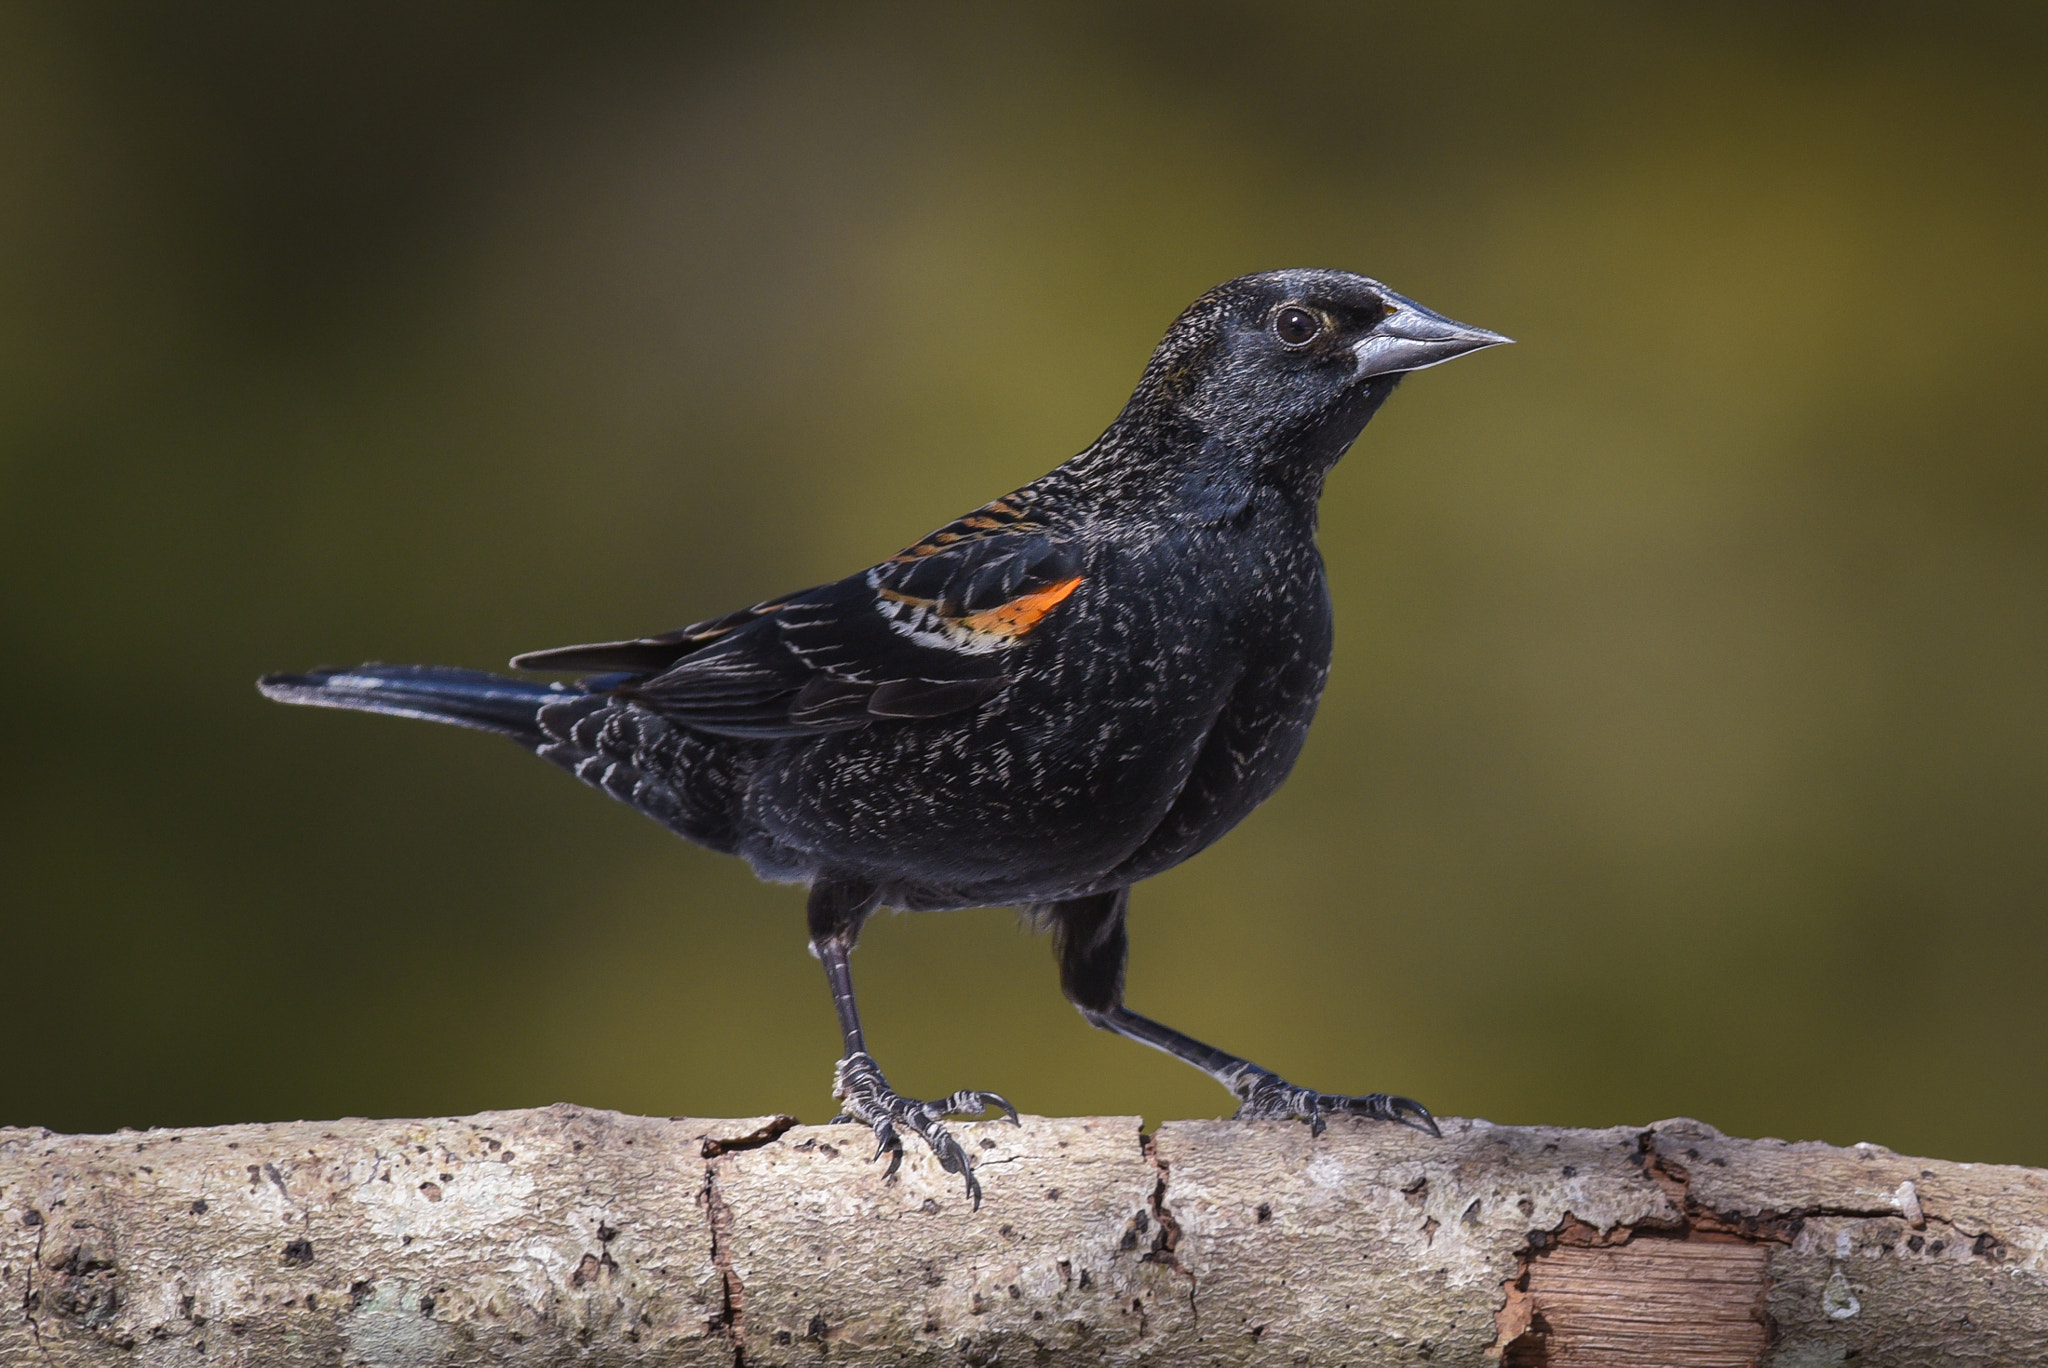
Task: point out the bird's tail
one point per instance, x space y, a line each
438 693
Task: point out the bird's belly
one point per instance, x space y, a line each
1018 805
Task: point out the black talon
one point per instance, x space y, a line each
1404 1108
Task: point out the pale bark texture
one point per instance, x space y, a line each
573 1236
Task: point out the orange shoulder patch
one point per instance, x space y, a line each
1020 615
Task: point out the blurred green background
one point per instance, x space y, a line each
1686 749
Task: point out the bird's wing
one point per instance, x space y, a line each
926 633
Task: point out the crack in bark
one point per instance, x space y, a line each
1781 1227
1167 1241
28 1291
731 1317
1765 1227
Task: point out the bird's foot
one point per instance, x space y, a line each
1269 1097
869 1100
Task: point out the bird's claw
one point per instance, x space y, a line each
869 1101
1269 1097
973 1102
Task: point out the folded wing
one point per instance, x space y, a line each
928 633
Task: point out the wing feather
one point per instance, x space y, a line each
928 633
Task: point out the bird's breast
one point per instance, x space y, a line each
1118 677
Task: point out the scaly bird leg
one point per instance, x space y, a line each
1264 1095
1093 946
837 911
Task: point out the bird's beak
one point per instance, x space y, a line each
1413 338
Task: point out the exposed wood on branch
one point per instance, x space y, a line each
575 1236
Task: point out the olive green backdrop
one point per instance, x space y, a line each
1686 748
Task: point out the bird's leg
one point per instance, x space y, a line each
838 908
1093 946
1263 1094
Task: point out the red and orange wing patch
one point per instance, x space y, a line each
1017 617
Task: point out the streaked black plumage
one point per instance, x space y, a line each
1069 690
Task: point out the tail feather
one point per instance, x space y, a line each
436 693
689 782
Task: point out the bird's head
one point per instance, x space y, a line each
1280 371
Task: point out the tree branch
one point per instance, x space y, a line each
570 1235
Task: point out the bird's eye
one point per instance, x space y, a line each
1296 326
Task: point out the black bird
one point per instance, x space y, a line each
1068 690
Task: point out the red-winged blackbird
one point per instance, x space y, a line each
1066 691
